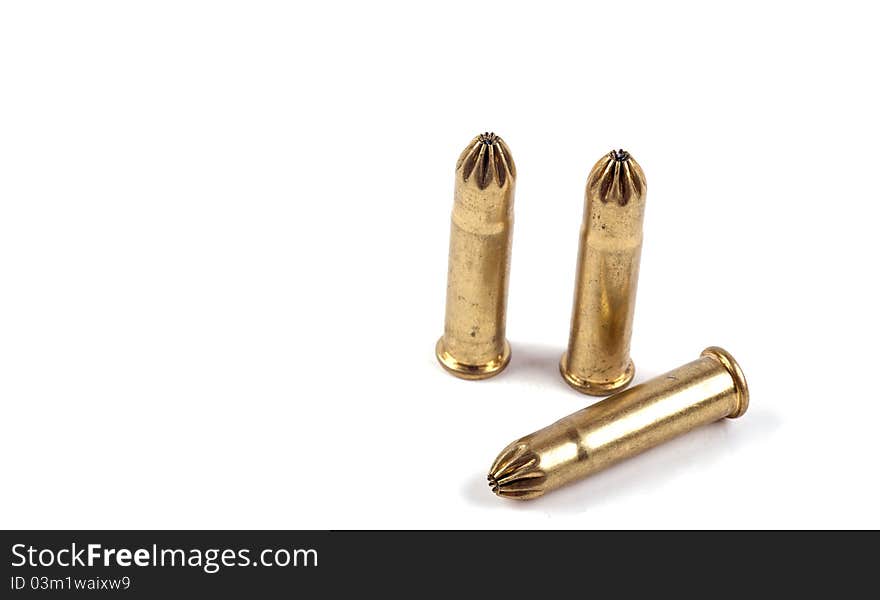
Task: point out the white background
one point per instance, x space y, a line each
223 242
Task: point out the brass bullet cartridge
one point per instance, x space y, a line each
597 361
473 345
623 425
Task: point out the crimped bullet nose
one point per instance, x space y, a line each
516 473
487 160
617 178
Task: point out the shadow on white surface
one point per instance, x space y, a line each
533 364
643 473
478 493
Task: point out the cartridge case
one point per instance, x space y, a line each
597 361
623 425
473 345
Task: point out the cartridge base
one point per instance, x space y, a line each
594 388
739 380
466 371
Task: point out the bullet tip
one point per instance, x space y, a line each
619 155
617 178
488 138
486 160
516 474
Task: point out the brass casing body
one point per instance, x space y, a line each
473 345
597 361
623 425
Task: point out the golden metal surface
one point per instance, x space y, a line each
473 345
597 361
623 425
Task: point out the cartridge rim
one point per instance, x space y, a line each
739 379
594 388
472 372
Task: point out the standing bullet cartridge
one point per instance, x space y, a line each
473 345
597 361
623 425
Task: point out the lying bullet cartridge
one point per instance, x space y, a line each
473 345
623 425
597 361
